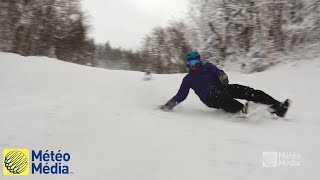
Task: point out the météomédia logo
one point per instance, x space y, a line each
16 162
20 162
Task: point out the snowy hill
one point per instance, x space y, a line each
109 122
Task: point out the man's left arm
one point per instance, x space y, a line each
222 76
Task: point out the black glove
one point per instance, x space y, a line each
165 108
169 105
224 79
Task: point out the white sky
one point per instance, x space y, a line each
125 22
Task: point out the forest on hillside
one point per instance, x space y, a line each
246 32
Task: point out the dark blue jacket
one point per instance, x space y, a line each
202 81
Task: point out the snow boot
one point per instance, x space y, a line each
282 110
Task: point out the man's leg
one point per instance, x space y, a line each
223 100
243 92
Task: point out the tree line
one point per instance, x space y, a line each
256 31
248 32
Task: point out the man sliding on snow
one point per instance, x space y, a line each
212 86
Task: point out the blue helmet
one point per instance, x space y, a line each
193 55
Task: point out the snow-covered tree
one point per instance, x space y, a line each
166 48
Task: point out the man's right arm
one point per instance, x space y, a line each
179 97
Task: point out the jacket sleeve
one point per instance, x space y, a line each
181 95
218 72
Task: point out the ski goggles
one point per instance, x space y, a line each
193 62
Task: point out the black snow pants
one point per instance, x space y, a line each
224 98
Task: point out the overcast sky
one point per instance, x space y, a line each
125 22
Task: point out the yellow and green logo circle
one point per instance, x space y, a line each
16 162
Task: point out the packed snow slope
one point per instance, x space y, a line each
109 122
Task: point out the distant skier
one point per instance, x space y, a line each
147 76
212 86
